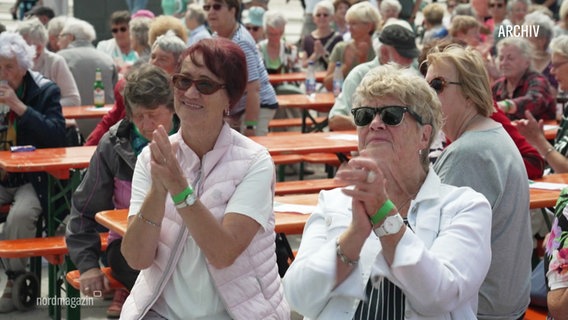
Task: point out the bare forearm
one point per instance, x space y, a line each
252 108
557 305
140 242
341 122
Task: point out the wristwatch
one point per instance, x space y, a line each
188 201
391 225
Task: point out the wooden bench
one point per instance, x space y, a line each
292 122
26 287
72 278
305 186
536 313
53 249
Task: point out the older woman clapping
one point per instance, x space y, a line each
483 157
398 230
532 128
201 224
521 88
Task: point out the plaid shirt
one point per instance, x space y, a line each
532 93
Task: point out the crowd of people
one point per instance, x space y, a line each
448 109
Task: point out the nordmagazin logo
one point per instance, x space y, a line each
524 31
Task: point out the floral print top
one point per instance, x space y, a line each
557 246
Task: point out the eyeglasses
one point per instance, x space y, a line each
556 65
439 84
215 6
121 29
325 15
390 115
207 87
498 5
252 28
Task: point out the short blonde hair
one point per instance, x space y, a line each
462 24
161 24
471 74
433 13
391 80
364 12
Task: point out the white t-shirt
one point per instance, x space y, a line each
190 293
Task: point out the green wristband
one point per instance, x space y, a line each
251 123
382 212
180 197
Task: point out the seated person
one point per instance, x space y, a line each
107 183
433 18
119 47
521 88
317 45
32 115
555 154
165 53
363 20
380 248
201 221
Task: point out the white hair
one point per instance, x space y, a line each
14 46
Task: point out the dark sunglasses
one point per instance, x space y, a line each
183 83
252 28
439 84
121 29
325 15
390 115
498 5
215 6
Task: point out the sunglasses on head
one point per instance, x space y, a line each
207 87
215 6
390 115
325 15
439 84
121 29
498 5
252 28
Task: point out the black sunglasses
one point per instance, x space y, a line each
252 28
439 84
325 15
121 29
215 6
390 115
498 5
183 83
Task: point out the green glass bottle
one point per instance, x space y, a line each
99 90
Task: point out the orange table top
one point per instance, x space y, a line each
85 112
550 129
334 142
541 198
294 77
55 161
286 222
321 101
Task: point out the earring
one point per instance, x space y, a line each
420 152
227 112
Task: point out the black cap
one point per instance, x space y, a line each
41 11
402 39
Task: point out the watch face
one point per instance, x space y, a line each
392 224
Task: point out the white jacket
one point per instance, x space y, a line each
439 263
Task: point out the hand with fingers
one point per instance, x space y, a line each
531 129
166 171
369 192
94 283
